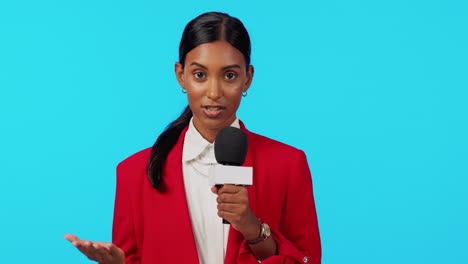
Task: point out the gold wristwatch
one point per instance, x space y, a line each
264 234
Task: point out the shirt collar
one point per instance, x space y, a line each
195 144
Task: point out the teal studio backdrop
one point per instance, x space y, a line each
375 92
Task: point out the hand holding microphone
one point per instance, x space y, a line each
230 180
234 207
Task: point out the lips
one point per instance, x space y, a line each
213 111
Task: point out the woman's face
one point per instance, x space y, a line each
215 76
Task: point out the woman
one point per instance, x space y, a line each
165 210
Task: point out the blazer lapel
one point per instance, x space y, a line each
177 225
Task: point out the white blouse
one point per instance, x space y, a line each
210 233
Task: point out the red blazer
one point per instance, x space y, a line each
153 227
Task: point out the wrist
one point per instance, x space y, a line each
253 231
263 235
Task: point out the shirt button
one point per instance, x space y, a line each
306 259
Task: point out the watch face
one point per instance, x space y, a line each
266 230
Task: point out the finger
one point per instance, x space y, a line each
232 198
214 190
92 253
91 250
225 198
230 188
98 251
71 237
230 217
102 252
84 248
232 208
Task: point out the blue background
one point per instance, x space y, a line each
375 92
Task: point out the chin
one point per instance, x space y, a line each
216 123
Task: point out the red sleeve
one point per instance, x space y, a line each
297 238
123 234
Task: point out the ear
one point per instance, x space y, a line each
179 72
249 78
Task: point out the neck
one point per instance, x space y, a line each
210 136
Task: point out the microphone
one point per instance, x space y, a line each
230 149
230 146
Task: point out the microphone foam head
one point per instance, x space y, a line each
230 146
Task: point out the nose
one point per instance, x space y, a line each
215 90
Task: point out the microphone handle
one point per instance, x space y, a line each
219 186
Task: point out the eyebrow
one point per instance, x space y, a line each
224 68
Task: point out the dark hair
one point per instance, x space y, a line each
206 28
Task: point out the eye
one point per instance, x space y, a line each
230 75
199 75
